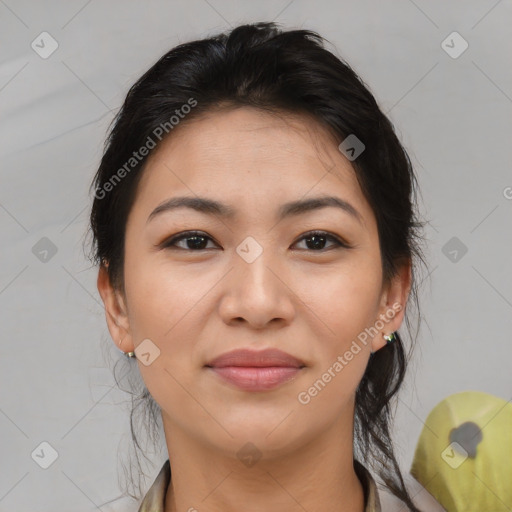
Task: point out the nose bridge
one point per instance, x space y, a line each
253 262
255 293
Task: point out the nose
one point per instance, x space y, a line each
257 293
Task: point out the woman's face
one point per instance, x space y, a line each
253 279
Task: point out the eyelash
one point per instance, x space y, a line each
170 243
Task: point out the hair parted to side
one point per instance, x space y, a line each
262 66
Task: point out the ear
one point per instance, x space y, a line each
115 312
392 306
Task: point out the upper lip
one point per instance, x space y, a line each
259 358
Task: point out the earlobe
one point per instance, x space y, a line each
115 312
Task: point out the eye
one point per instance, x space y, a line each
198 241
315 240
194 241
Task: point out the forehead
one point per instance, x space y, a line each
252 157
237 137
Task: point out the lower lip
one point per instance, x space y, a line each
251 378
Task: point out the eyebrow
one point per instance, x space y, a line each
216 208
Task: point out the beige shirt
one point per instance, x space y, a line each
376 500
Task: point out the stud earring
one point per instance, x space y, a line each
389 338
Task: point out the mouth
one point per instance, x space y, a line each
251 370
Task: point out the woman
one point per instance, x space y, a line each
255 229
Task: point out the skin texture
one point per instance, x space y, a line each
197 304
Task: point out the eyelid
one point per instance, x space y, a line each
327 234
168 242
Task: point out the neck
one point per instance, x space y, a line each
317 476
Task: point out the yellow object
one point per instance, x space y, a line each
464 453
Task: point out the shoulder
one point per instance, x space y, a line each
379 498
154 499
419 495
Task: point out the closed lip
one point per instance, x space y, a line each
256 358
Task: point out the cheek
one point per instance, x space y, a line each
347 300
344 306
160 296
164 303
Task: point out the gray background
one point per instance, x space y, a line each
453 115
